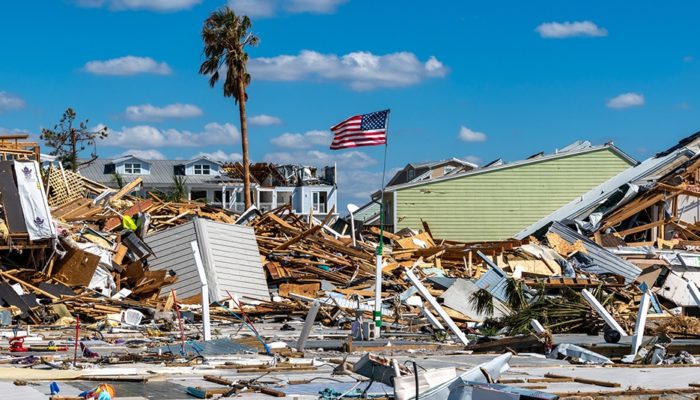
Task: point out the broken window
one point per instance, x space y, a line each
132 168
265 203
218 197
202 169
198 195
284 198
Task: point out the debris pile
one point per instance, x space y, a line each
180 280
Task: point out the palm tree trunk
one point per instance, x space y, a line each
244 143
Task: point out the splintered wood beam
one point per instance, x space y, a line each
28 285
632 209
299 237
584 380
328 216
126 189
640 228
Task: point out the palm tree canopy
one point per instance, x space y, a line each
225 36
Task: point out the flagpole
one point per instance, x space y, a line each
380 247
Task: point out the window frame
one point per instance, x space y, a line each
202 168
315 203
131 168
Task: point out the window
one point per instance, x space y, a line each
410 174
284 198
198 195
132 168
319 202
202 169
218 196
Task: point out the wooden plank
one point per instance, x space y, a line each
28 285
631 209
640 228
126 189
299 237
584 380
77 267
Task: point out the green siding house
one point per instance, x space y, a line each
494 203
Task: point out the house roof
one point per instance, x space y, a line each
650 169
368 212
584 147
161 174
432 164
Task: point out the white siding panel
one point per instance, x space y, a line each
232 252
173 251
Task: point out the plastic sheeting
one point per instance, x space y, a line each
33 200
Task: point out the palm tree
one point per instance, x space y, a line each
225 37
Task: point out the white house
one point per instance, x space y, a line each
220 184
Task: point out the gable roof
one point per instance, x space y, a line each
560 154
200 158
128 157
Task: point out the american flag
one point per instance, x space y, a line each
361 130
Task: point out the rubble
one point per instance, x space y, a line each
100 284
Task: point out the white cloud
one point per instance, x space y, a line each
220 155
148 112
269 8
149 136
357 185
469 135
626 100
302 141
560 30
15 130
313 6
129 65
346 159
254 8
9 101
148 154
151 5
360 70
264 120
473 159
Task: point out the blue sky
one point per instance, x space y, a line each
475 80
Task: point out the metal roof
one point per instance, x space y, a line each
161 174
602 257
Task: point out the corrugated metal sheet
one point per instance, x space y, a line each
602 257
232 252
173 251
229 253
162 173
495 204
494 280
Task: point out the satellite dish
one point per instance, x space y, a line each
352 208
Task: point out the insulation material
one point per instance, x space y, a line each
33 200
